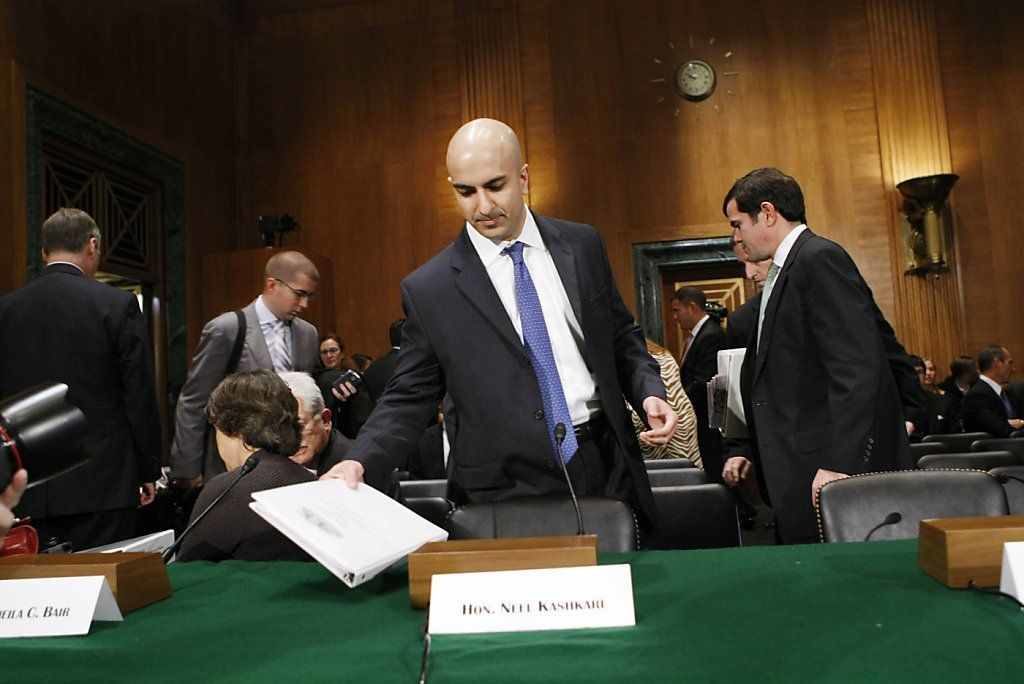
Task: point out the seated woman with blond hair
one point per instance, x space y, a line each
684 442
253 413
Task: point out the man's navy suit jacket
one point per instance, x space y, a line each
459 339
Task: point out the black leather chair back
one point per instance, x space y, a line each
957 441
668 464
680 477
694 517
917 451
1013 486
850 508
610 519
427 498
1013 444
976 460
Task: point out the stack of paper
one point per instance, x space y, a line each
354 533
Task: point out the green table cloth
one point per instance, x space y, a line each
827 613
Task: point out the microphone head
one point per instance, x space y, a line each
560 431
893 518
250 463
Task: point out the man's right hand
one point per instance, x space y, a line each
344 392
349 471
1016 423
736 470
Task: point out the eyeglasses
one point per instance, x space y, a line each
299 294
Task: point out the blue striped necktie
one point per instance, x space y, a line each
538 348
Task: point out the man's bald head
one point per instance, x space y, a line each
486 170
290 281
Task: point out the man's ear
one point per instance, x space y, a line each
326 417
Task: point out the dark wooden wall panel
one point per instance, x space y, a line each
164 72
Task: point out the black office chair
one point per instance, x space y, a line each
1014 444
610 519
976 460
892 505
426 498
957 441
679 477
668 463
1012 479
694 517
926 448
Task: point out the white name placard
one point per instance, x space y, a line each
528 600
55 606
1012 579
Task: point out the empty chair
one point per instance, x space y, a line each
427 498
957 441
892 505
925 448
610 519
669 464
975 460
694 517
1012 479
678 477
1014 444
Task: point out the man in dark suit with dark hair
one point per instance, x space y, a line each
699 363
963 373
66 327
819 397
380 371
521 323
987 407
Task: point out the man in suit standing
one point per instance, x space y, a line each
521 323
819 397
699 363
987 407
66 327
380 371
275 339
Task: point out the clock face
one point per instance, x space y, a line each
695 80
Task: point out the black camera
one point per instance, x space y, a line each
40 431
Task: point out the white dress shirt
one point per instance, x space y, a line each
692 336
996 387
274 328
578 384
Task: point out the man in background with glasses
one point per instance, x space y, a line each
274 338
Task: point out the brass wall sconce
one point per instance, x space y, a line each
927 224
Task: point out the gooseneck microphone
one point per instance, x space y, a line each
890 519
247 467
559 438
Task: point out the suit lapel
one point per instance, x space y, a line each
773 303
472 281
255 341
565 262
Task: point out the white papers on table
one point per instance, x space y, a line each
354 533
149 543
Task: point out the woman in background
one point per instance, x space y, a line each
684 443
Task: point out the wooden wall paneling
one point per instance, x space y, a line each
914 142
983 85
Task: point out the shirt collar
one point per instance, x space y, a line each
66 263
490 252
787 245
996 387
263 314
700 324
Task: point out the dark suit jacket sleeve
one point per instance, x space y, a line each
135 364
639 374
981 412
391 435
209 365
845 331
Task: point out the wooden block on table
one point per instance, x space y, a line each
957 551
137 579
483 555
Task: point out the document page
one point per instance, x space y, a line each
354 533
